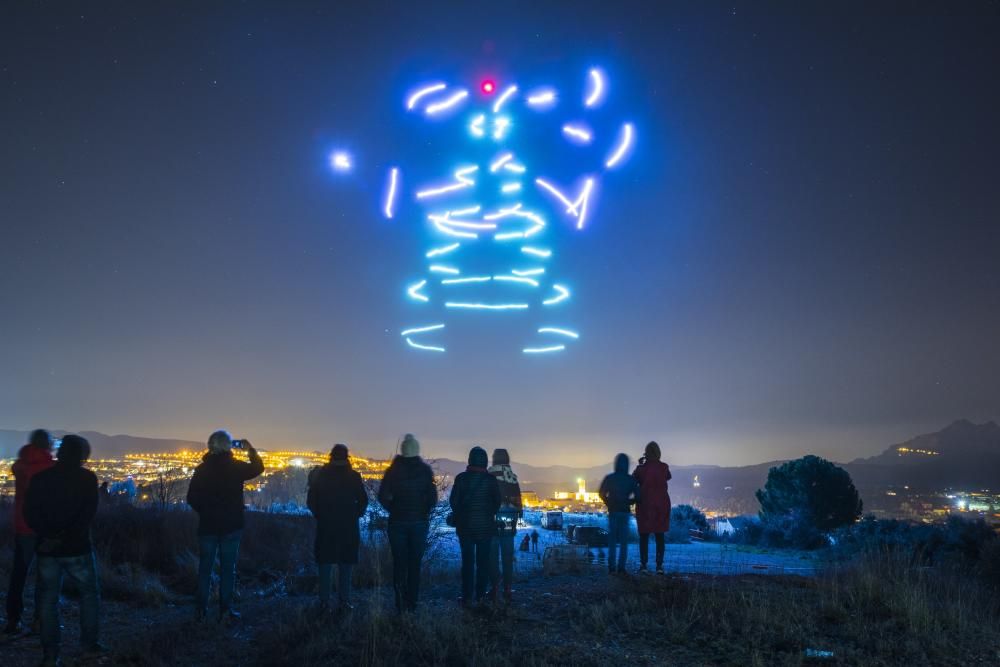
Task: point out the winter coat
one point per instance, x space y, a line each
407 491
337 499
475 499
60 505
652 512
216 491
510 489
619 490
30 461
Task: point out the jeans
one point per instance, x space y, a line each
407 541
502 560
644 549
228 548
475 567
343 582
618 537
24 553
83 571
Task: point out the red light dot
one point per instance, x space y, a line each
488 87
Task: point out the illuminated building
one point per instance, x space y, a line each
581 495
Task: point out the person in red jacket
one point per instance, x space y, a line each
652 513
33 458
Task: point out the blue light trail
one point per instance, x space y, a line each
423 92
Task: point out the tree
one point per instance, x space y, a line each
165 491
811 492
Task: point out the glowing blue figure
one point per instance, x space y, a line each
501 202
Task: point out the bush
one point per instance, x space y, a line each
804 498
957 543
684 519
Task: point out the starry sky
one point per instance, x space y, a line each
801 255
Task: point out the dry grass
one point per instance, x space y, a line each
875 612
876 609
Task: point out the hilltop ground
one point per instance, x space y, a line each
875 611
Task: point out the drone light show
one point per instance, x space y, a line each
493 220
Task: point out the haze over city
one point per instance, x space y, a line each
801 256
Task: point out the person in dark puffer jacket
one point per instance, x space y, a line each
619 491
216 494
337 499
502 549
60 507
408 494
475 499
33 458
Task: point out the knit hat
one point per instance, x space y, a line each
338 453
501 457
220 441
653 451
410 446
478 457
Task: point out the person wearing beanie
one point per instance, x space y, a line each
502 548
410 446
619 491
652 513
59 508
337 499
408 494
32 459
216 494
475 500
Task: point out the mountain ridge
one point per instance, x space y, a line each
961 455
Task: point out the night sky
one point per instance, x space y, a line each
800 257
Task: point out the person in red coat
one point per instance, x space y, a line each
33 458
652 513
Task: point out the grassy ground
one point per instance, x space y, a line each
874 610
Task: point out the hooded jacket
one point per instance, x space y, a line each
619 490
407 491
60 505
216 491
475 499
31 460
337 499
652 513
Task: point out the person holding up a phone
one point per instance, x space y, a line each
652 512
216 494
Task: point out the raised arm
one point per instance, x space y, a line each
254 467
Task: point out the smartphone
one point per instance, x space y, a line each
237 444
